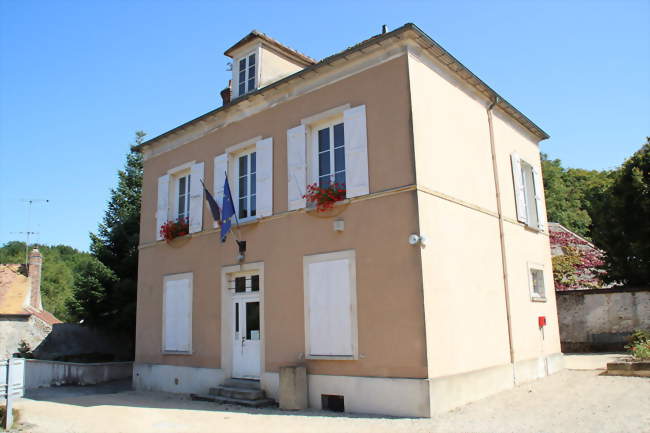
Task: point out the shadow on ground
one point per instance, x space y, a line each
120 393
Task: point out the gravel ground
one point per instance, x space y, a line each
569 401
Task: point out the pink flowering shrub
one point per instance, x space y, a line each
576 268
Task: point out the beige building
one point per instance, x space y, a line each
424 289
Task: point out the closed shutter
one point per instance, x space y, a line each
520 193
356 152
264 187
196 198
220 168
539 198
162 211
177 320
330 309
296 167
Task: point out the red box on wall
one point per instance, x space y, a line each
541 320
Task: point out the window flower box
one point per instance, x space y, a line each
324 198
174 229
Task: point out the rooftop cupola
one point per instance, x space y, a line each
259 60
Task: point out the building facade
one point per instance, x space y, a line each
424 289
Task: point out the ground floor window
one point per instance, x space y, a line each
536 277
177 313
330 305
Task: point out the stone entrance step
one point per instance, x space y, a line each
225 400
239 393
242 383
243 392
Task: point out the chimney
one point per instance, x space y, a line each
226 93
34 273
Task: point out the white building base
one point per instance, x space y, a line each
537 368
450 392
174 378
371 395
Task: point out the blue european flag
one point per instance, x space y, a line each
227 211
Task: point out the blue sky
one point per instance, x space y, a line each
77 78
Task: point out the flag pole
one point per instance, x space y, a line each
233 205
241 245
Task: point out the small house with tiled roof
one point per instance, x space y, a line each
22 317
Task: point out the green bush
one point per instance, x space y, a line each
639 345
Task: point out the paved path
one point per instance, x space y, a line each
591 361
570 401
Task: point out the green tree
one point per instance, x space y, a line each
93 285
570 194
105 288
621 221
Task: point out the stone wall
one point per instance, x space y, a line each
13 329
601 320
40 373
80 343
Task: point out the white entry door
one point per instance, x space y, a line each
246 327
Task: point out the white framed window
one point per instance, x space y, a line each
182 196
246 188
247 73
177 314
536 282
529 193
329 145
249 167
330 306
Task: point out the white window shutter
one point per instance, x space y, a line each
296 167
330 309
177 321
220 168
356 152
520 193
196 198
264 187
162 211
539 198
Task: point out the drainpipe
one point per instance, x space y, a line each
504 263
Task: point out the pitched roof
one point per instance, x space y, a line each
302 58
14 292
421 38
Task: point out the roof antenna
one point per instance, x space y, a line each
30 202
384 29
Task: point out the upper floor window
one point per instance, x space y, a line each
183 197
249 167
529 193
328 147
246 184
331 155
180 196
247 74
